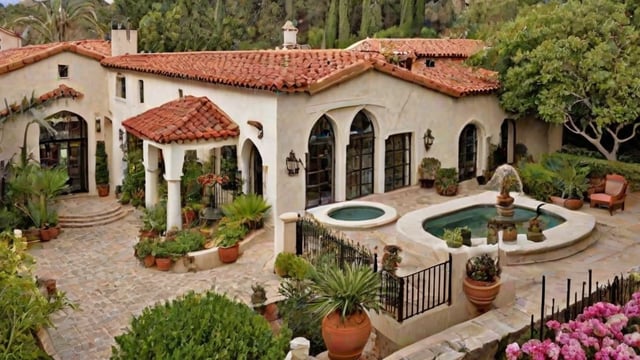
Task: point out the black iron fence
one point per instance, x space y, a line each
617 291
314 241
406 296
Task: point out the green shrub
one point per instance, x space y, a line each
537 181
201 326
630 171
453 237
293 266
23 308
297 313
155 218
185 241
230 232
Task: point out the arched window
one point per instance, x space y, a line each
360 157
319 189
467 152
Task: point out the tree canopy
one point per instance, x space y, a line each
575 63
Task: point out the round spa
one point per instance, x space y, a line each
354 214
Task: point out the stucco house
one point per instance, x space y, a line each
9 39
353 120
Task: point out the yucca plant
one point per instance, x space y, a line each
249 210
347 291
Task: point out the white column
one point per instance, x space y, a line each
173 161
150 159
174 216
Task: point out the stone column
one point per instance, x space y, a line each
150 160
286 241
173 160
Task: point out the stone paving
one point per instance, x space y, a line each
96 268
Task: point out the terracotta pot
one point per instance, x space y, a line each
345 341
573 204
535 236
271 312
150 260
480 293
448 191
504 201
55 231
229 254
148 234
47 234
510 234
31 234
163 264
556 200
103 190
188 217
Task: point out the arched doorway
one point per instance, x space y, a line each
67 148
360 157
468 152
320 162
255 159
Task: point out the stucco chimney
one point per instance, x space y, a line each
290 34
124 42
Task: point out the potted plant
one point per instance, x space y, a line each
283 263
427 171
482 281
453 237
571 178
102 169
447 181
391 258
162 256
342 298
249 210
144 251
227 238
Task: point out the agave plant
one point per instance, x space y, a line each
36 187
348 291
247 209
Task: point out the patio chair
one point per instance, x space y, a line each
615 192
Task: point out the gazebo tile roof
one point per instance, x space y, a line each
187 119
62 91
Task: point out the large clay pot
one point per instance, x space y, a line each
229 254
504 201
573 204
163 264
103 190
480 293
447 191
47 234
150 260
346 340
510 233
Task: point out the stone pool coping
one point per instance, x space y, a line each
561 241
321 213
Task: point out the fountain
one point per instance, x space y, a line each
504 179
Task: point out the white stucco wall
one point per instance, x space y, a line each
394 106
9 41
538 136
85 75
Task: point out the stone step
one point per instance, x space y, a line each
94 219
115 208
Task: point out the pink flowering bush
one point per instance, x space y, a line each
603 332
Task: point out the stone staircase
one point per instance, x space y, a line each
90 211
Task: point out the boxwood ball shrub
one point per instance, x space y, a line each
201 326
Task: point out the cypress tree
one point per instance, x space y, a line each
344 30
365 22
406 16
418 23
332 25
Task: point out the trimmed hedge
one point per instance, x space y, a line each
201 326
631 171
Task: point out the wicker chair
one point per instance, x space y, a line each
615 192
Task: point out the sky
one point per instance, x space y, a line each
7 2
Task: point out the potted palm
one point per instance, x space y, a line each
102 170
447 181
249 209
343 297
571 178
427 171
482 281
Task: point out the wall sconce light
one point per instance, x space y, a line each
98 125
120 135
428 140
293 164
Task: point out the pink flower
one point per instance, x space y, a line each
513 351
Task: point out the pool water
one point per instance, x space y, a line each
477 217
356 213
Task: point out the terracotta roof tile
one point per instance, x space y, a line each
62 91
187 119
459 48
272 70
13 59
456 79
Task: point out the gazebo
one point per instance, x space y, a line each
188 123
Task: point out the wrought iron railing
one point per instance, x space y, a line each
406 296
314 241
617 291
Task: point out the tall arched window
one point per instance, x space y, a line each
67 147
360 157
319 189
468 152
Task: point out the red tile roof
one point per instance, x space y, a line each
9 32
459 48
308 71
63 91
186 119
13 59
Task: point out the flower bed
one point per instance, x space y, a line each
602 331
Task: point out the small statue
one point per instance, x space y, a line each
492 232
